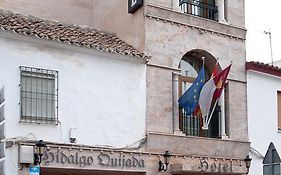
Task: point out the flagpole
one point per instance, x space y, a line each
205 118
214 107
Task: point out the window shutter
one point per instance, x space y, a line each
279 109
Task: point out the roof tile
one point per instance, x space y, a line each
264 68
67 33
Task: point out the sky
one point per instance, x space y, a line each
263 16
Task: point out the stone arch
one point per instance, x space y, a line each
197 54
190 65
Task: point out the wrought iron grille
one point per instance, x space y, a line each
38 95
199 8
192 125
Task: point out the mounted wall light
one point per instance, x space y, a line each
40 147
248 163
163 166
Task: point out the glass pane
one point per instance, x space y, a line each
38 96
211 2
266 170
276 158
187 69
276 169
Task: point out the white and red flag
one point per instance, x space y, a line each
211 92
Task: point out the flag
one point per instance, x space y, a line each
189 100
220 82
204 102
212 91
206 96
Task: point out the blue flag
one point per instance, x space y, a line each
189 100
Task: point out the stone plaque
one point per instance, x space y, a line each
220 167
89 159
207 165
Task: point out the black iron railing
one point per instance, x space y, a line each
192 125
39 95
198 8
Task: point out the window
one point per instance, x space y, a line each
279 109
202 8
190 65
39 95
271 161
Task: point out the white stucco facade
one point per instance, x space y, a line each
262 115
100 94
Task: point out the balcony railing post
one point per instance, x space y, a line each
176 128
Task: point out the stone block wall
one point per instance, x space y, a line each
67 11
167 42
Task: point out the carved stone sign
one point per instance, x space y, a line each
94 160
121 161
206 166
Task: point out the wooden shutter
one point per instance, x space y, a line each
279 109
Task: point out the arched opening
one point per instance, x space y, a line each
190 65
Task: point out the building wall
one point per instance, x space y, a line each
167 47
2 128
67 11
110 16
235 12
262 113
167 35
100 95
113 16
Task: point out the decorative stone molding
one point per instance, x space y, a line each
190 21
201 30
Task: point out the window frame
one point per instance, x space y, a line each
50 98
279 110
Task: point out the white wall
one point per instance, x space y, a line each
103 97
262 115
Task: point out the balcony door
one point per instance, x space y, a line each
190 124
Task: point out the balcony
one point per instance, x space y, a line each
192 125
200 9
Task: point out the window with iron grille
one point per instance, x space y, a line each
202 8
39 95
